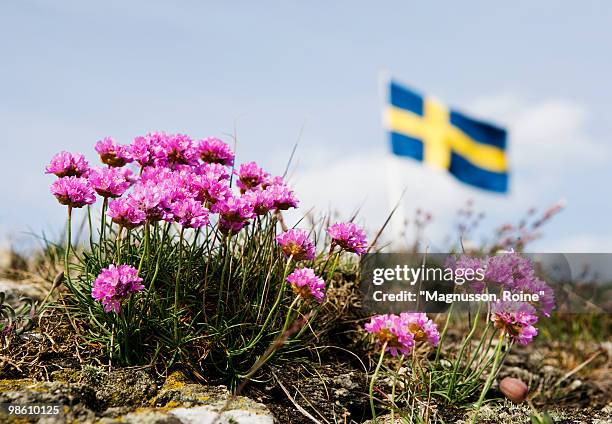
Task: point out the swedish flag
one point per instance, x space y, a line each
473 151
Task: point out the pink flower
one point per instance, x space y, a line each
66 164
125 213
251 176
517 319
282 197
110 182
507 268
178 149
73 191
190 213
235 209
147 149
209 190
536 286
306 284
212 171
422 328
517 274
149 197
390 329
262 201
296 243
114 284
349 237
113 154
213 150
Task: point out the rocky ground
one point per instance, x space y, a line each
333 390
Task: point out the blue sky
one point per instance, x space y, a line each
73 72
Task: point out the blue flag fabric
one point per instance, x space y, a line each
471 150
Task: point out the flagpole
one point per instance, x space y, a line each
395 191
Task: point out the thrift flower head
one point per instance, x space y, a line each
110 182
507 268
209 190
422 328
516 319
113 154
296 243
212 171
190 213
213 150
66 164
546 294
251 176
306 284
178 149
73 191
147 149
114 284
390 329
149 197
349 237
261 200
235 209
125 213
282 197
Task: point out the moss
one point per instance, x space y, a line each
14 385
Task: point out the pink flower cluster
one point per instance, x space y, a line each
349 237
173 185
401 332
306 284
422 328
296 244
113 154
110 182
389 329
75 192
508 271
517 319
66 164
516 274
213 150
114 284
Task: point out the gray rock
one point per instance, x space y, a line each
143 417
207 415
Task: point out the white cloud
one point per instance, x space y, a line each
548 134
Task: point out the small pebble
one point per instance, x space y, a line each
514 389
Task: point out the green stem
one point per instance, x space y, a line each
477 351
145 250
91 243
68 246
118 245
444 330
286 325
103 227
399 367
371 392
279 297
462 351
492 375
176 283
